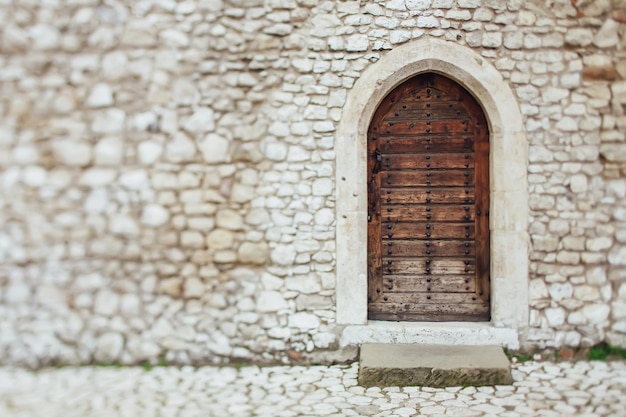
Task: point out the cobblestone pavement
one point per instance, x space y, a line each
540 389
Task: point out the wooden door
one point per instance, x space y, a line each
428 196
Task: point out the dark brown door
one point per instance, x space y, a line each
428 191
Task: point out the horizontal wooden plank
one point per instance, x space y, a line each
427 178
400 248
425 230
450 195
428 212
423 266
432 298
432 94
403 127
428 160
427 108
428 312
421 143
429 283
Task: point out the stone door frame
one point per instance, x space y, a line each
509 197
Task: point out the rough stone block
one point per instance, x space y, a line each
613 152
619 15
608 35
592 73
579 37
433 365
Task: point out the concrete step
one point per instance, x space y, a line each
384 365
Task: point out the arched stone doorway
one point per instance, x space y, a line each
508 218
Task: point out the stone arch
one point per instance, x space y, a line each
508 172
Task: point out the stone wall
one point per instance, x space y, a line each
167 169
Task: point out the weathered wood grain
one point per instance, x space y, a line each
427 230
429 283
428 248
428 204
426 143
449 195
433 160
425 178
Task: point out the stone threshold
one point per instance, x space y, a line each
430 333
383 365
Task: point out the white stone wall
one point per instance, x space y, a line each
167 169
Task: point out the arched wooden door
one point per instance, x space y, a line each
428 197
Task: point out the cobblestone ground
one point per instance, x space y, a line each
540 389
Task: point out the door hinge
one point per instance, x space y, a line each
369 217
377 162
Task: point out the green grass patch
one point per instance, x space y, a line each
109 365
148 366
523 358
519 357
603 352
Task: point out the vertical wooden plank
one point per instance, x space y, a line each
482 206
374 236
